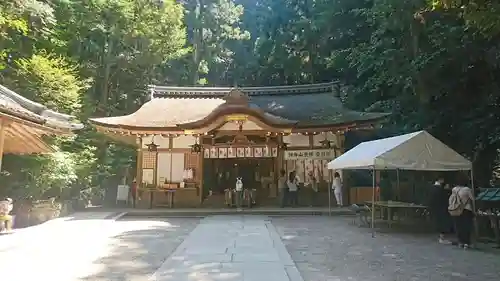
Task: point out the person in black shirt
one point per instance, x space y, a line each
438 207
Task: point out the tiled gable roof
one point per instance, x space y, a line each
16 105
302 105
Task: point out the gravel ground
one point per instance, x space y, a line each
331 249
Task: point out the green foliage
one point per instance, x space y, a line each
52 81
97 61
431 63
215 35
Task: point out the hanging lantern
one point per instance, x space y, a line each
326 143
152 147
284 146
196 148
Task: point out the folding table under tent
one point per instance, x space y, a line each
418 151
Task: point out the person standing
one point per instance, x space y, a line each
293 188
438 207
313 188
239 192
282 188
6 207
133 192
337 189
460 207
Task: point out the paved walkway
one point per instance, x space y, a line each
64 249
95 247
230 248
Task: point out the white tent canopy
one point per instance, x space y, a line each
416 151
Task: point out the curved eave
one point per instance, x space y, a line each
33 120
46 130
278 122
370 118
24 137
134 131
13 105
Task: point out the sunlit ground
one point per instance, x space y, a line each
69 249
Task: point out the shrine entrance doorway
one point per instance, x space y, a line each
221 174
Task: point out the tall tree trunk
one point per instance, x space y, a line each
102 108
420 87
197 43
107 62
310 41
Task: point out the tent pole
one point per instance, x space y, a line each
373 204
399 188
476 228
330 194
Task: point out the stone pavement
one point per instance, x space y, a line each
27 234
230 248
330 249
95 247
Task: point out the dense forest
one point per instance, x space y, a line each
434 64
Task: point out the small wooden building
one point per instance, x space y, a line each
197 140
24 123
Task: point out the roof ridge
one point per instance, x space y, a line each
27 107
201 91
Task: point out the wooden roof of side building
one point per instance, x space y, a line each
28 121
300 107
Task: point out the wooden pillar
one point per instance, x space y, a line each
155 171
280 156
2 140
138 174
199 170
346 192
170 147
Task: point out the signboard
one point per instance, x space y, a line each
236 117
315 154
122 193
240 152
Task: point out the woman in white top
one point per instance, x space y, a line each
5 217
337 188
293 188
464 222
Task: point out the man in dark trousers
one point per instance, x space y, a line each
282 189
133 192
438 207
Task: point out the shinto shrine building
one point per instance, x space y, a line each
197 140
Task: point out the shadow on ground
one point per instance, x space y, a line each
136 255
334 249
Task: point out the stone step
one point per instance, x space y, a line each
203 212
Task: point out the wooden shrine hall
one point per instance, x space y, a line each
195 141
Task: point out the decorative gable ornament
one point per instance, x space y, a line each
236 97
